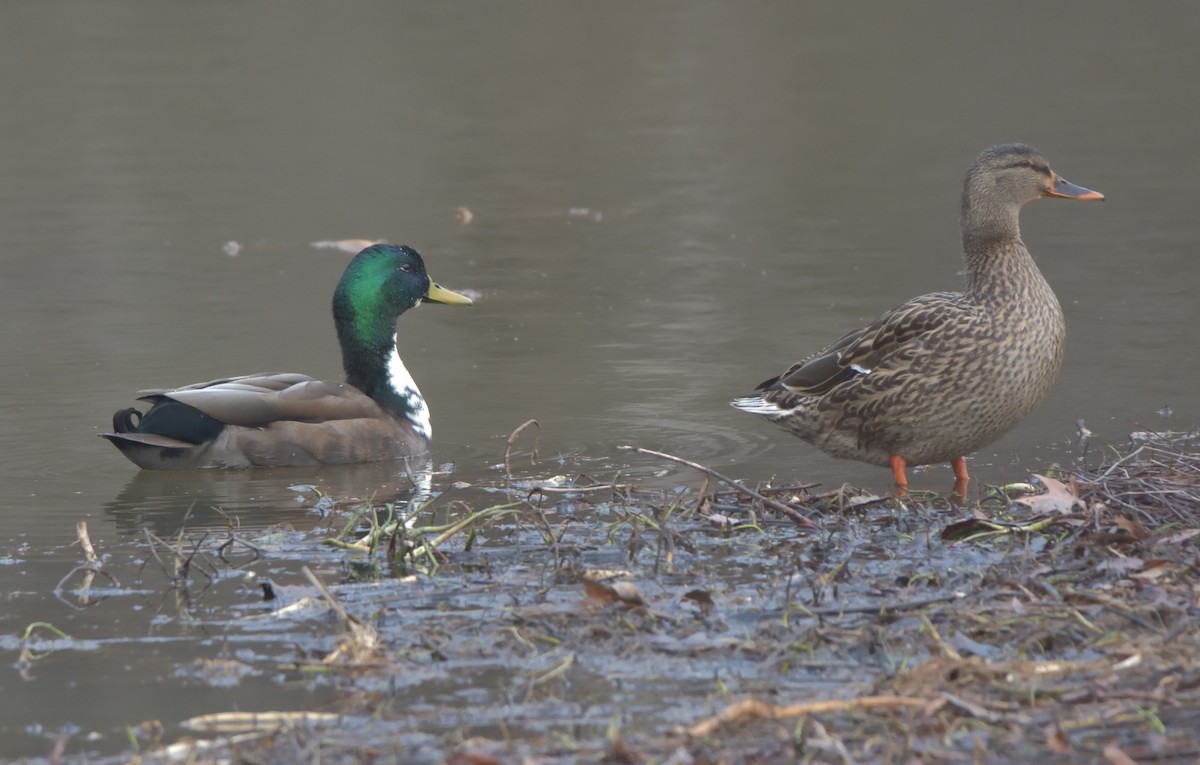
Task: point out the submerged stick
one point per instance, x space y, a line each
774 504
242 722
580 489
753 709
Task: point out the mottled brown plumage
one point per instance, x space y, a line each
946 373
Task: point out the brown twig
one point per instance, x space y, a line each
333 602
361 642
907 605
753 709
614 487
90 570
774 489
89 553
1158 486
774 504
512 440
85 541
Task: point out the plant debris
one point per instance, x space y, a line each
590 619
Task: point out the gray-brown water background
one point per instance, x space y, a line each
671 202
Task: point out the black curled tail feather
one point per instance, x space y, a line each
123 420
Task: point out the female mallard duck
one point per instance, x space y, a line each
291 419
946 373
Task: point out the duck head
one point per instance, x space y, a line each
1013 174
385 280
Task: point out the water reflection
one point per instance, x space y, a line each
167 501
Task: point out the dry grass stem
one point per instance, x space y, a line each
774 504
512 440
751 709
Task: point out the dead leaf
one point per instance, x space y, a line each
586 212
965 644
352 246
628 593
625 593
1057 499
1117 756
721 521
1155 569
694 644
473 756
601 592
1179 537
701 598
1073 484
220 673
1121 564
860 501
961 531
1132 527
603 574
1011 489
1057 740
619 751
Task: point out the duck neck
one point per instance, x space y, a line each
373 366
998 265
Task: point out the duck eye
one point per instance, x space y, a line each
1026 163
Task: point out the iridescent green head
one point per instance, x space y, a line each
381 282
385 280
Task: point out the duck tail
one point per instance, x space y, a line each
123 420
757 405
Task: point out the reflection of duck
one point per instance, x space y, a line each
945 373
166 501
378 414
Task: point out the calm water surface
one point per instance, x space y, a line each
671 202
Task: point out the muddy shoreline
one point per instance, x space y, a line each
585 619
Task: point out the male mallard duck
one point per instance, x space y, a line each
291 419
946 373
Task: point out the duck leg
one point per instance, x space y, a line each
899 475
959 464
961 478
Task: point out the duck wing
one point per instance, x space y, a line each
262 420
860 352
258 400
